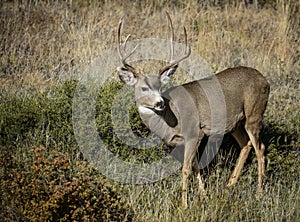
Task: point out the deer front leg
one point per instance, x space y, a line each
190 150
185 174
196 169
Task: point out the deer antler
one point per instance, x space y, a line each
122 50
187 48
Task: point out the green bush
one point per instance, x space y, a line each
46 119
39 119
17 117
47 187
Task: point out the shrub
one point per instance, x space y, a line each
42 118
17 117
47 187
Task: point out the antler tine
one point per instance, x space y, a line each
119 39
171 37
121 55
124 48
187 48
125 42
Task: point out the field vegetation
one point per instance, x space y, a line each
45 47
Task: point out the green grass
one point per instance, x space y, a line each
45 47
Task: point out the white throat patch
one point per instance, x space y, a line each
145 110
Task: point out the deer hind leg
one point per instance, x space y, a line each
190 150
253 130
254 110
241 137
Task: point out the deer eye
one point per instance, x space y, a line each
145 89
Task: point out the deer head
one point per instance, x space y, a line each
148 88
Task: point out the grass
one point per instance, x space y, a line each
222 204
45 45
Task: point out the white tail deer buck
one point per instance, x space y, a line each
172 117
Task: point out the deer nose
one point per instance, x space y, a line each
160 105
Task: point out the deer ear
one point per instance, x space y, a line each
166 76
126 76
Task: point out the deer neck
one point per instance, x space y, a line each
160 119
